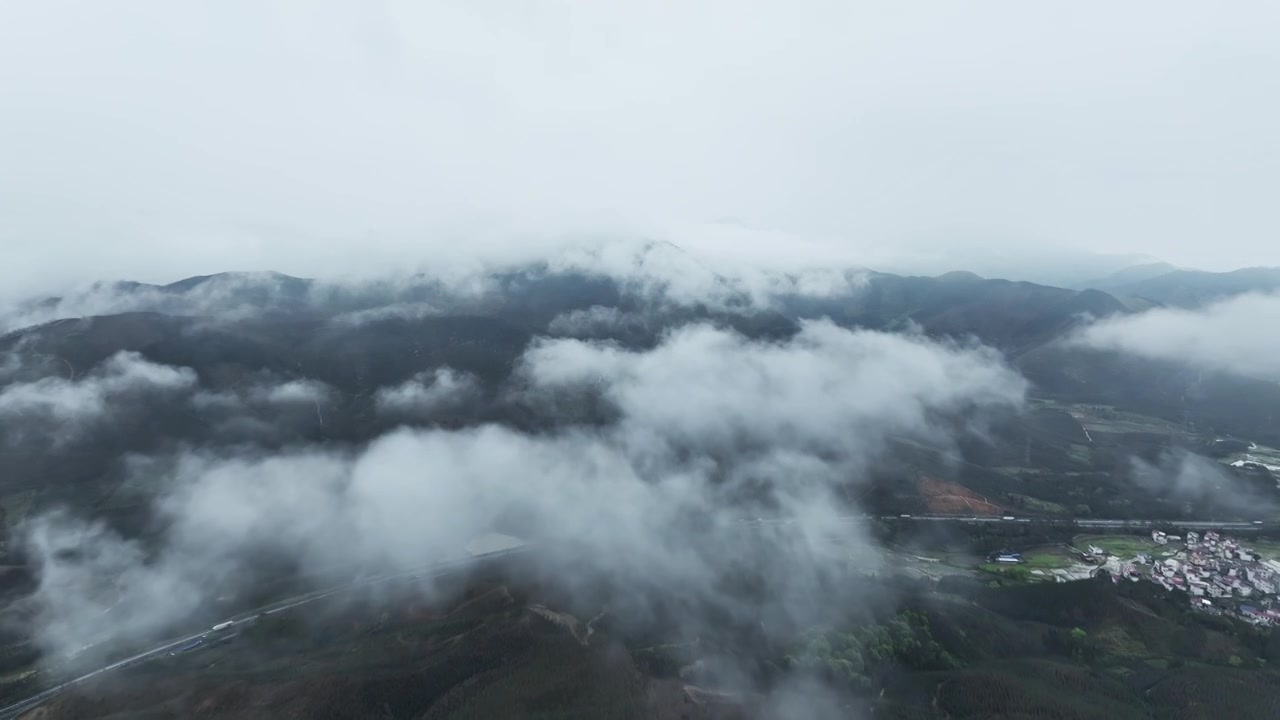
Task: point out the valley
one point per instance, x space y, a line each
1046 481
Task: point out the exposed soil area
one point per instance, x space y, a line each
948 498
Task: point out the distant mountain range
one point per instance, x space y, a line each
1127 275
1061 267
232 328
271 316
1012 316
1163 285
270 362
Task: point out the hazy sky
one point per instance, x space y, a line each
152 140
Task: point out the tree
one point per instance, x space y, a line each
1081 647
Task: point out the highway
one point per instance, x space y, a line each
1052 521
1092 523
229 626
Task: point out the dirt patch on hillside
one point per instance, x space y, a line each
948 498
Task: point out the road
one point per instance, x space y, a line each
432 570
1053 521
1093 523
1105 524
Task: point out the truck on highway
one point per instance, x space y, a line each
188 647
223 625
1007 517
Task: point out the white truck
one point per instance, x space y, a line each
223 625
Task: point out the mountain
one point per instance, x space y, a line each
245 336
1131 274
249 365
237 329
951 649
1062 267
1012 316
1195 288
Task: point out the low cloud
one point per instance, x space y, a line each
657 272
653 275
296 391
428 393
649 276
598 321
398 311
265 409
10 364
1235 335
827 390
61 408
228 296
803 697
663 273
711 428
1199 483
1179 474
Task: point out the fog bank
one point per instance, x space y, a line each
710 429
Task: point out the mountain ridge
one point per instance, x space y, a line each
1192 289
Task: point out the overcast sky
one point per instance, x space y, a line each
153 140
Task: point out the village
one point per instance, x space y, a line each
1218 573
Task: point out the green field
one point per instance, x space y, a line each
1080 453
1043 562
1107 418
1048 559
1122 546
1036 505
1017 572
1268 549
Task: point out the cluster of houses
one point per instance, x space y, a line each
1218 573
